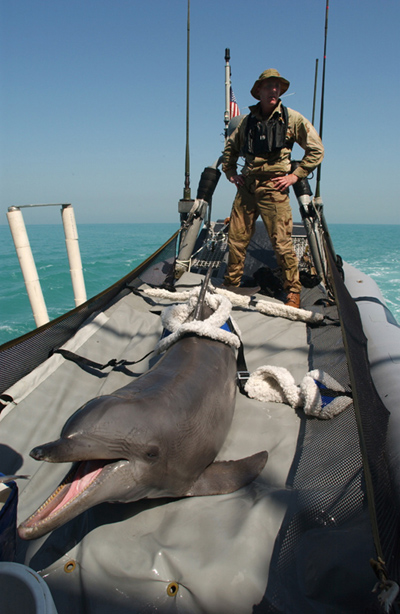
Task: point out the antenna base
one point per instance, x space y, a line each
185 205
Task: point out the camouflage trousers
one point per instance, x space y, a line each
259 197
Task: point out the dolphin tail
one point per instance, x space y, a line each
224 477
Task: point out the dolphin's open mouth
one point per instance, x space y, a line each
82 476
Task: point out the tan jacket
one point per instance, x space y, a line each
300 131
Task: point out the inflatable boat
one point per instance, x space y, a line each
317 530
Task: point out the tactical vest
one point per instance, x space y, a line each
264 137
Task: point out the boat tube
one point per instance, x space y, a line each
383 345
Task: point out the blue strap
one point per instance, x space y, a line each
328 395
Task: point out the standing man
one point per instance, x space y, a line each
265 138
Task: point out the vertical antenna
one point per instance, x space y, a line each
315 90
186 190
317 190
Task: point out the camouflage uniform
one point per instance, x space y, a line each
259 196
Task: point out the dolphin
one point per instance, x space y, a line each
156 437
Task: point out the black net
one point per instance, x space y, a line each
330 532
373 418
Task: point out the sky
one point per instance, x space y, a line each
93 101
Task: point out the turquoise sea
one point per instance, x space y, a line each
110 251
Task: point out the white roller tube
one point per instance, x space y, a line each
28 267
74 256
189 236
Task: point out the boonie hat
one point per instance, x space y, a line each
268 74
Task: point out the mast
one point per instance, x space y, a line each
227 115
186 190
317 190
315 90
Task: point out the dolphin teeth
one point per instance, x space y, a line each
52 496
78 480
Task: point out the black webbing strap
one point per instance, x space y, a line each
86 362
5 399
242 372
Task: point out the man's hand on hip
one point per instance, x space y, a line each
283 183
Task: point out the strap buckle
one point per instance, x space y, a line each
241 379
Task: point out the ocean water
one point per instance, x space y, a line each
110 251
374 250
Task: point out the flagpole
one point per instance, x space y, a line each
227 90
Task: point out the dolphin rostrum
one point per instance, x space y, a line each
156 437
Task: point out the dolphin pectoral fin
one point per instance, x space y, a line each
224 477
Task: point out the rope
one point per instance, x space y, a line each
177 320
319 394
265 307
184 263
290 313
388 593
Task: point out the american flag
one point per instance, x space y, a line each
233 106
